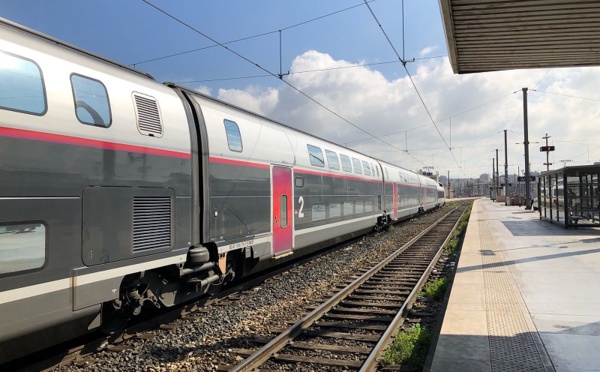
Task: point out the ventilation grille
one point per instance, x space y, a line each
151 222
148 116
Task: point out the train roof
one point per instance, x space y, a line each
252 113
20 28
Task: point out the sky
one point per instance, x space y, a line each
342 79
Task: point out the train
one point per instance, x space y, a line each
118 192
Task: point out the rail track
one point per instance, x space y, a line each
95 350
351 329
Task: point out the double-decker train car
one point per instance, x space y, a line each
441 198
118 192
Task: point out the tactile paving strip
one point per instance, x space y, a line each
512 344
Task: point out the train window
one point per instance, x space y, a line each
346 164
359 206
367 168
147 113
284 219
299 182
332 160
348 208
23 247
357 166
91 101
234 137
316 156
318 212
22 86
335 210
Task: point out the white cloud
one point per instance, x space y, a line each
428 50
204 89
254 99
481 107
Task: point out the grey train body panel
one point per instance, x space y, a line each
93 187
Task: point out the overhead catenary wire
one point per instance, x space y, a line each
215 45
439 120
302 72
565 95
270 73
411 80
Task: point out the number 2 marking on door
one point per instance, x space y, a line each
301 201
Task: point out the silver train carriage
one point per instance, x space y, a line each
118 192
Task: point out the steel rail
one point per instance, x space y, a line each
370 364
264 353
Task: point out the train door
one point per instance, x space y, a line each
282 209
395 200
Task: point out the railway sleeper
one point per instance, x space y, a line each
393 279
382 305
366 327
326 347
382 291
343 336
397 287
377 298
379 319
354 310
312 360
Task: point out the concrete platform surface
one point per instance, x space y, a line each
526 296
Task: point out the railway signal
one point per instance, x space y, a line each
547 149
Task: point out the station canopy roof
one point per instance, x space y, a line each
493 35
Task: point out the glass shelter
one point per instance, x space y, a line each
570 196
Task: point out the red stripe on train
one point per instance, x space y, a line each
240 163
84 142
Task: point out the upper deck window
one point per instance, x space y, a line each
357 166
316 156
367 168
234 137
332 160
346 164
21 85
91 101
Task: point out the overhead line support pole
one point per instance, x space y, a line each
493 179
526 144
280 58
497 176
505 170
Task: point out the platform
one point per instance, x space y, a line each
525 297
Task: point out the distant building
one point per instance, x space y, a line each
485 178
434 175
